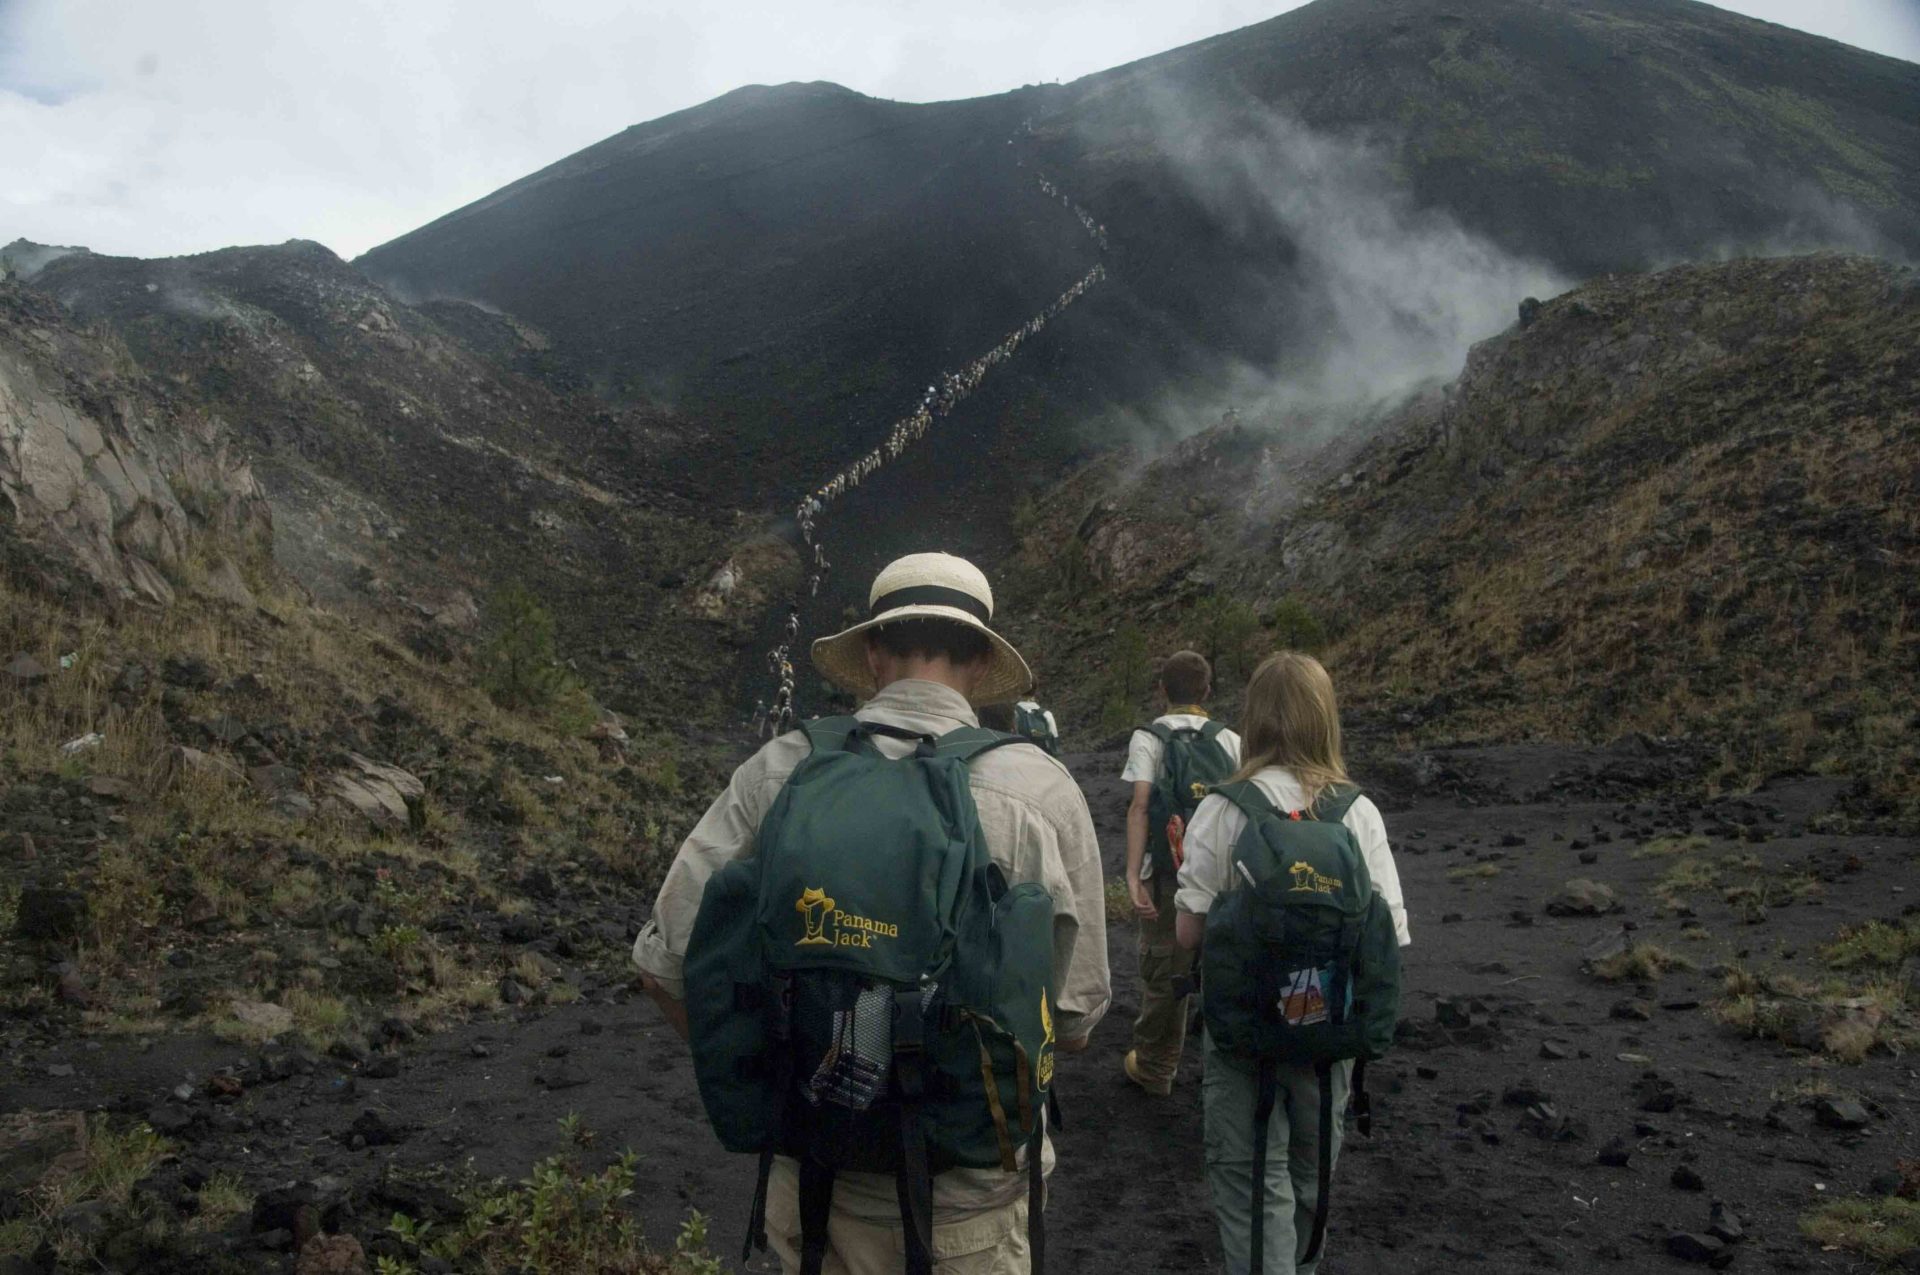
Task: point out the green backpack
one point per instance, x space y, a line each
1193 761
1032 723
1301 966
866 993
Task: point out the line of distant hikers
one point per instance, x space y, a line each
882 934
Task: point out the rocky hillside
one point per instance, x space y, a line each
106 473
1679 504
416 461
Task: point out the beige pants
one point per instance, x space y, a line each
1160 1033
989 1243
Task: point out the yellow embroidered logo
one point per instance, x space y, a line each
829 926
816 907
1199 791
1046 1045
1308 881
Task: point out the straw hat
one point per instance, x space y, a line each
936 586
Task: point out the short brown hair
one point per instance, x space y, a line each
931 638
1186 677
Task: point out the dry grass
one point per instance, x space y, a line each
1667 847
1844 1022
1884 1231
1687 876
116 1157
1474 872
1875 945
1640 963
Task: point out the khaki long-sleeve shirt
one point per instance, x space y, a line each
1037 828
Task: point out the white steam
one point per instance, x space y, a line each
1383 299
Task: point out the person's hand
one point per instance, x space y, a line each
1143 905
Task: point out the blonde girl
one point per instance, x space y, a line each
1291 728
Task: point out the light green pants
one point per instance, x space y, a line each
1160 1033
1228 1094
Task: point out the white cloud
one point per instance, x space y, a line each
170 126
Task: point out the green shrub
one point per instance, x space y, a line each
564 1219
1226 630
520 663
1295 627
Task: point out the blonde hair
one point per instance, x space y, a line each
1292 720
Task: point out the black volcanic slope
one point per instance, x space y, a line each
790 263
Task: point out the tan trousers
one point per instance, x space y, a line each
989 1243
1160 1033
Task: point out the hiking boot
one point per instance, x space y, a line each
1159 1088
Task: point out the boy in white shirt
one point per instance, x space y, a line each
1211 752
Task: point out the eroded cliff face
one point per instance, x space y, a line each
100 471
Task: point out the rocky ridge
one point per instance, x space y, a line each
1616 520
104 470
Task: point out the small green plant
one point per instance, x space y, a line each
1119 901
573 1127
520 662
690 1255
398 943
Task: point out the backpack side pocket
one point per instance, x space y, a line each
730 1002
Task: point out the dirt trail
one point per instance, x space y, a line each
1452 1179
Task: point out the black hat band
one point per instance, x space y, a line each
933 595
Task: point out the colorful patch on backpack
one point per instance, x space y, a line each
1304 1002
1308 881
828 926
1045 1068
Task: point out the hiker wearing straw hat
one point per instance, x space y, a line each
922 902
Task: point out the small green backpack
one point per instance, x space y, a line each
1301 966
866 993
1031 721
1193 761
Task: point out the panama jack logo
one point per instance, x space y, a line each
816 907
1308 881
1046 1043
828 926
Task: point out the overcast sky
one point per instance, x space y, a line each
153 127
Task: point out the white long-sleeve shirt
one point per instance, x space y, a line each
1218 823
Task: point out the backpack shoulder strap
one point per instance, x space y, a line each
1160 731
1212 730
969 742
1247 796
1334 803
829 734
